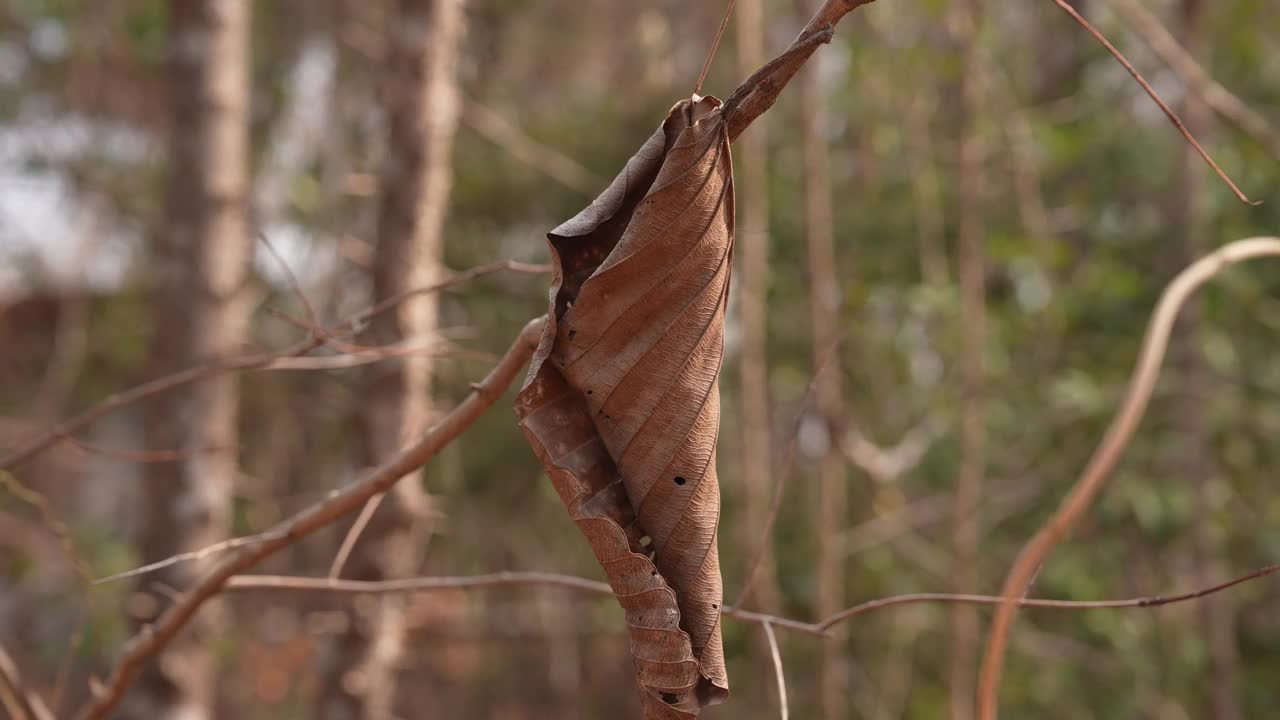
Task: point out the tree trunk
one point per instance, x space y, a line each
201 313
1195 463
831 508
422 113
970 241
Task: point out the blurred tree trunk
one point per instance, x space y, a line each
202 257
1194 462
971 182
753 246
831 505
422 111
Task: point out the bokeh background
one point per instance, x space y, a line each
1006 205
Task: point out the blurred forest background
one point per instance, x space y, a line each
971 200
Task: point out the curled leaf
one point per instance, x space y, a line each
621 404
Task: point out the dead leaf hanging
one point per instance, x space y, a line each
621 404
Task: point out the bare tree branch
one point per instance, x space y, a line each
338 504
777 668
245 363
1108 454
757 93
288 583
1210 92
502 132
1168 111
15 698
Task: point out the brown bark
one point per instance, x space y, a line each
202 258
831 500
423 101
1195 463
971 183
753 248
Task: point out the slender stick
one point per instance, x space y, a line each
715 45
1108 454
777 668
1210 91
289 583
757 93
15 698
1168 111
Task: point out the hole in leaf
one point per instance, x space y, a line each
572 333
669 698
680 480
646 541
654 573
590 392
714 606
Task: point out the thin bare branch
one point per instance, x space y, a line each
757 93
507 135
497 579
341 502
245 363
153 387
715 45
142 456
995 600
353 534
20 702
466 276
1108 454
1201 84
192 556
288 583
49 519
292 280
777 668
1168 111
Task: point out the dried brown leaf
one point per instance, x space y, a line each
622 406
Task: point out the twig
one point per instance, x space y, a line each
457 279
1212 93
715 45
1044 604
191 556
777 668
49 519
344 501
1168 111
145 390
15 698
498 579
502 132
289 583
1104 459
142 456
757 93
353 534
371 355
291 280
249 362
